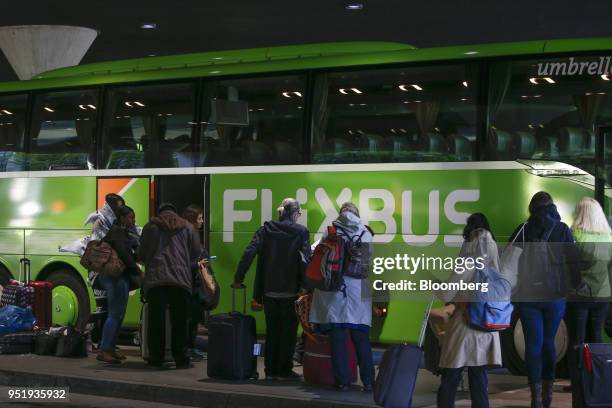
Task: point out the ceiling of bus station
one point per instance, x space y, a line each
206 25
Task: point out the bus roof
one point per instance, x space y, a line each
287 58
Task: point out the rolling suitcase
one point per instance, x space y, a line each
26 293
594 373
17 343
144 343
398 371
317 361
231 344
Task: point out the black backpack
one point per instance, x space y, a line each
356 256
541 273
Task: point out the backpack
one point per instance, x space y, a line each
100 257
325 269
540 273
492 310
356 256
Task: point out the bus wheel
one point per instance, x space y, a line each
70 300
513 348
5 276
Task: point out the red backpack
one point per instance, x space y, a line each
325 269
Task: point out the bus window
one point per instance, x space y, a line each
149 126
63 128
12 127
395 115
255 121
543 110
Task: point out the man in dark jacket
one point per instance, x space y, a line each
168 247
277 282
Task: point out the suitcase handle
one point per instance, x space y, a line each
24 269
243 288
425 322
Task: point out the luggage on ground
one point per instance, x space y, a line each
17 343
27 293
231 344
45 343
144 334
595 370
14 319
100 257
317 363
398 371
71 343
324 272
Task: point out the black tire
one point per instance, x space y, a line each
5 275
512 341
64 277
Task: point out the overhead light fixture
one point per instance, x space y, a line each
139 103
148 26
82 107
357 91
48 109
128 104
605 77
7 112
471 52
537 81
354 6
151 55
465 83
414 86
92 106
464 99
291 94
549 80
345 91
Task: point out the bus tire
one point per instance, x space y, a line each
513 346
5 275
69 283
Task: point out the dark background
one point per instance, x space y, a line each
204 25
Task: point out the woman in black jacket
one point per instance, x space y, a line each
117 289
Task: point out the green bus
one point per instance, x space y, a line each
418 138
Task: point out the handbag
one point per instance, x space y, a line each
302 310
509 259
100 257
210 288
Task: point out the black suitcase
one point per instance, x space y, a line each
17 343
45 344
595 371
398 372
231 345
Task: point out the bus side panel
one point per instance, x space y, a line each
397 205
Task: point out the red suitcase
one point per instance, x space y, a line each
34 294
317 361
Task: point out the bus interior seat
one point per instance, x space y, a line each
285 152
460 147
255 153
571 141
526 143
338 145
503 145
434 143
374 142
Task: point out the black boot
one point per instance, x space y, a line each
536 395
547 393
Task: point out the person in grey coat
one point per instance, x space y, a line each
462 345
168 247
349 311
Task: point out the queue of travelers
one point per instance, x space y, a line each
577 288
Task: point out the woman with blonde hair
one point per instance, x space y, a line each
587 305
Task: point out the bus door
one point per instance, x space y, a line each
182 191
603 169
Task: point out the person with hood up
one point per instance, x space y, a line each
169 246
349 311
542 304
278 280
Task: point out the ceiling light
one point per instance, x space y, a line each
128 104
151 55
549 80
7 112
290 94
148 26
465 83
48 109
82 107
414 86
464 99
357 91
354 6
92 106
471 52
343 91
139 103
605 77
533 80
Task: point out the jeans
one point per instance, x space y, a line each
178 302
540 323
339 354
117 293
451 377
585 324
281 334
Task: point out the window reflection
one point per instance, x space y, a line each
12 127
254 121
63 129
149 126
399 115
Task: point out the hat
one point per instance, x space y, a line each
166 207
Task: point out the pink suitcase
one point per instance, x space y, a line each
317 361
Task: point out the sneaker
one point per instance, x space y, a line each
107 357
293 376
